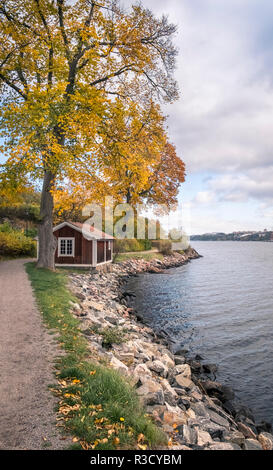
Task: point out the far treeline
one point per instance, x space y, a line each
264 236
82 85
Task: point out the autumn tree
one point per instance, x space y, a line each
139 162
62 63
133 140
139 165
165 178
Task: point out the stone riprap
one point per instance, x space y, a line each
179 392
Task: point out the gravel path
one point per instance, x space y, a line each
27 351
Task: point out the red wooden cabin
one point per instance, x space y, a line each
82 245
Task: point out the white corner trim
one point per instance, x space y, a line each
60 255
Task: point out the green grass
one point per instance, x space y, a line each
146 256
71 270
112 335
97 406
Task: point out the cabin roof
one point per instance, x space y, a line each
94 232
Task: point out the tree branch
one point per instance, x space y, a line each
13 86
123 69
61 23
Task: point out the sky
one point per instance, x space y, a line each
222 125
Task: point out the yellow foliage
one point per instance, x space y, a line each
79 82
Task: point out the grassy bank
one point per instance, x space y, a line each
97 406
142 255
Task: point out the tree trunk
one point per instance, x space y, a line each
128 196
47 241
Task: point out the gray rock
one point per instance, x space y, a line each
235 437
215 430
221 446
118 365
209 368
142 370
218 419
252 444
112 320
246 431
183 370
203 438
151 393
200 409
189 434
170 394
179 360
158 367
183 381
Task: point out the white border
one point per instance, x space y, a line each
60 255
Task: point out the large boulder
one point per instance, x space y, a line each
151 393
183 381
182 369
216 418
118 365
266 440
189 434
203 438
235 436
141 370
246 431
252 444
158 367
170 394
168 361
174 418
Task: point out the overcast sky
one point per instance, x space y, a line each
223 124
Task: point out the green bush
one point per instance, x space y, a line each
31 232
21 211
112 335
6 228
163 246
126 245
14 243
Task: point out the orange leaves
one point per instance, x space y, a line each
116 441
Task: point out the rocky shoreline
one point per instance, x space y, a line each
179 392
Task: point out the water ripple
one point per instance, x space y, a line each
220 306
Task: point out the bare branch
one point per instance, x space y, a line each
123 69
13 86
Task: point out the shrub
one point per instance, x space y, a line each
6 228
21 211
14 243
31 232
163 246
123 246
112 335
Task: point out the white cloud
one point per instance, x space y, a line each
204 197
223 123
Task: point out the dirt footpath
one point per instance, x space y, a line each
27 351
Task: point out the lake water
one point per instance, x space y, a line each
220 306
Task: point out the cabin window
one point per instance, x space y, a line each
109 245
66 246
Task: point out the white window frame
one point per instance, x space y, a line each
60 255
